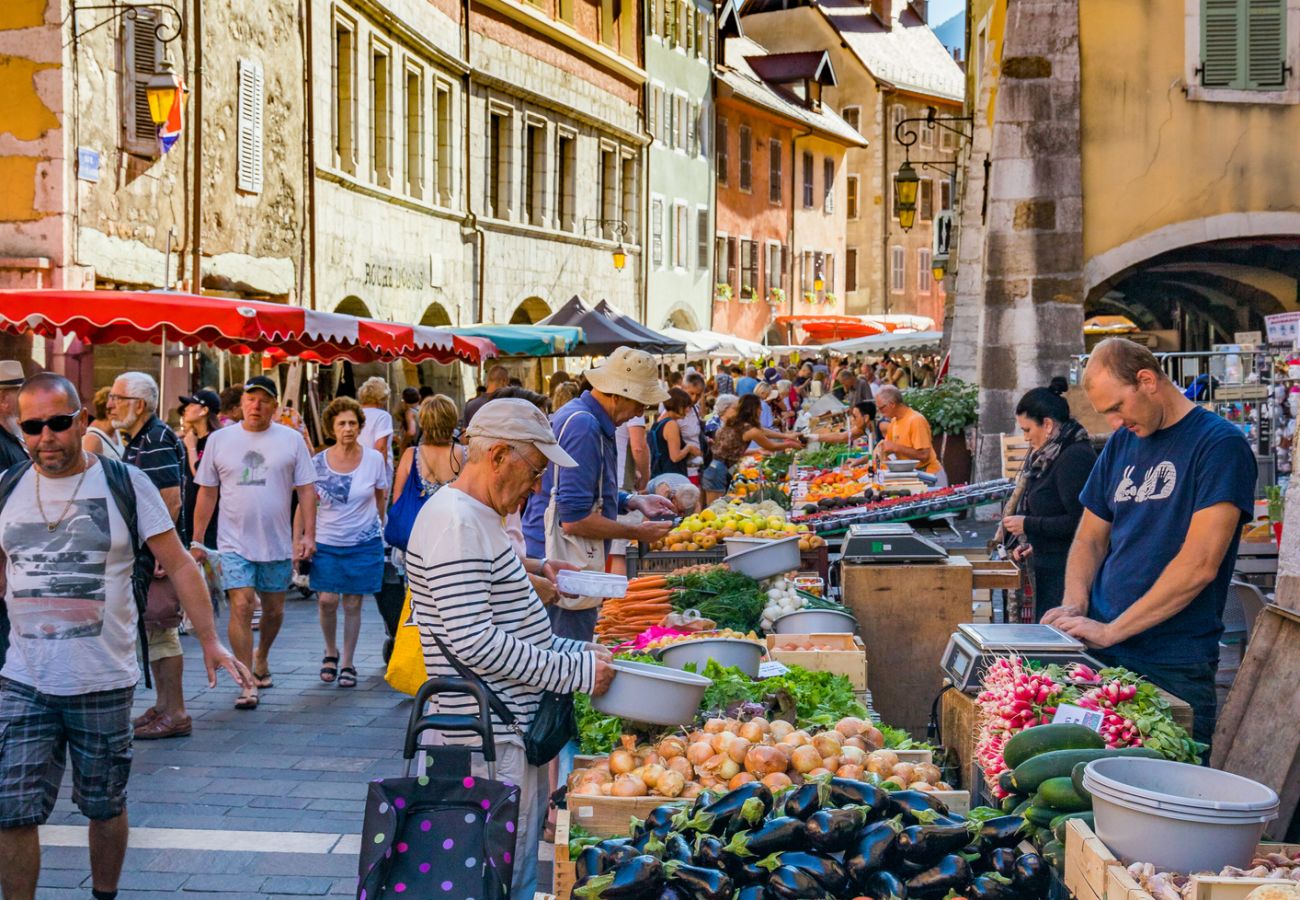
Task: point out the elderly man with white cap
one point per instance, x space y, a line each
472 599
576 515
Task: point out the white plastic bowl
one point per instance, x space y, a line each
658 695
591 584
816 621
744 655
763 559
1177 816
902 465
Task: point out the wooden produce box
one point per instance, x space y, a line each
563 873
611 816
1093 873
849 660
906 614
995 575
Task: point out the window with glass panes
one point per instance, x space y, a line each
748 268
746 158
775 154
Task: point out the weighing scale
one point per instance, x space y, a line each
974 648
889 542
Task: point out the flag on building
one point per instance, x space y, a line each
169 132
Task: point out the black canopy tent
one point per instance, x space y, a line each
605 330
664 343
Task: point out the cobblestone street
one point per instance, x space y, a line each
253 804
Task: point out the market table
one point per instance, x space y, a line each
906 614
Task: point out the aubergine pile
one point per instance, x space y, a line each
827 838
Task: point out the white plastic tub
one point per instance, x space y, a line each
1177 816
761 559
744 655
591 584
655 694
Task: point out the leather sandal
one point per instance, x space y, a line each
347 677
329 669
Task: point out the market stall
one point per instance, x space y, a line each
603 333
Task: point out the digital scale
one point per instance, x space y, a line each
889 542
973 648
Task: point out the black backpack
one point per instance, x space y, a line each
118 475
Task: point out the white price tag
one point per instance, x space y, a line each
771 669
1077 715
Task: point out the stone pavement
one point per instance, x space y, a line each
262 803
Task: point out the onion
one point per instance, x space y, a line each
721 740
764 760
942 786
762 723
927 772
921 786
874 737
853 756
692 790
849 726
652 759
728 768
682 766
818 771
857 742
882 762
777 780
797 739
848 771
670 783
904 773
779 729
629 786
713 726
709 780
671 747
831 762
698 753
607 790
652 774
696 736
733 726
828 743
621 762
629 742
751 732
737 749
805 759
738 779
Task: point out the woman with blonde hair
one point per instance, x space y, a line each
101 437
378 431
567 391
438 458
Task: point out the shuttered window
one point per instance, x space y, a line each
142 53
251 93
1243 44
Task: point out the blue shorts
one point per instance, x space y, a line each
39 731
358 569
272 577
716 479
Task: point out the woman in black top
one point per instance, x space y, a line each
1044 509
668 452
198 421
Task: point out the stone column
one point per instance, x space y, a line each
1019 309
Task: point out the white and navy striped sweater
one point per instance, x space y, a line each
469 587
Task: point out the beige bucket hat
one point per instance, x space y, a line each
628 373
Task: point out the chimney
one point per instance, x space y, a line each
884 11
922 9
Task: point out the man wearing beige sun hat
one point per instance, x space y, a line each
575 516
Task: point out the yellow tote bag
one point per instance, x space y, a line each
406 664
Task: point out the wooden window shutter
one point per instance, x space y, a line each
1265 44
1221 43
142 53
251 91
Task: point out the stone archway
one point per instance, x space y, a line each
435 316
682 317
530 311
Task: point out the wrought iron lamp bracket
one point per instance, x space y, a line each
168 28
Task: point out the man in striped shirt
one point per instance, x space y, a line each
470 589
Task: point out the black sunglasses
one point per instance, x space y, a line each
57 424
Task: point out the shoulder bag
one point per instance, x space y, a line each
585 553
401 515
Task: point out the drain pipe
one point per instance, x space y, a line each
645 224
470 222
794 209
196 124
310 162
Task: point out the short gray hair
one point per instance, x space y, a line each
687 495
889 394
480 447
142 387
723 403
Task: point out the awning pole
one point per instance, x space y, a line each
162 367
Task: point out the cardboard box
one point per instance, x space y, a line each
849 659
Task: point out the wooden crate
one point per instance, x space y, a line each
850 660
562 868
995 575
1014 450
612 816
906 614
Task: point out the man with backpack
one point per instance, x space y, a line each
72 526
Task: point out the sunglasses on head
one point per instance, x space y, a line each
57 424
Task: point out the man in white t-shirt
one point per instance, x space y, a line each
258 466
70 674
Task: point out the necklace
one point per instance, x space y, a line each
50 526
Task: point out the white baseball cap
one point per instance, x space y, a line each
519 422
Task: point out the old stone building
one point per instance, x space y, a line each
89 197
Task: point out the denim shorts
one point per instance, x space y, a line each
272 577
39 731
716 478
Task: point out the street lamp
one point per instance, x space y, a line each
620 258
818 283
161 90
939 268
616 226
906 184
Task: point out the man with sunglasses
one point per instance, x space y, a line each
71 672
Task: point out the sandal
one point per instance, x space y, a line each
263 680
347 677
329 669
246 701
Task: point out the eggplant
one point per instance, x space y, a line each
677 848
698 882
660 820
927 844
789 883
752 892
850 792
875 848
639 878
773 836
1030 874
833 830
806 799
670 892
909 804
716 817
745 872
826 869
1003 831
708 852
883 884
609 844
992 887
952 873
1001 860
648 844
591 861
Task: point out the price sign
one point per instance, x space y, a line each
771 669
1077 715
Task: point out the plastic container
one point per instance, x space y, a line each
902 465
816 621
591 584
744 655
763 559
655 694
1177 816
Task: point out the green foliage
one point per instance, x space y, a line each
950 407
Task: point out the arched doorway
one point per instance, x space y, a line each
350 375
353 306
531 311
435 316
682 318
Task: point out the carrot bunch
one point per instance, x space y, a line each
646 604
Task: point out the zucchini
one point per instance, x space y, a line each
1060 822
1076 779
1022 806
1045 738
1005 782
1054 853
1040 816
1060 795
1059 763
1042 836
1009 803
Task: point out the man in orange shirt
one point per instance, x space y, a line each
907 436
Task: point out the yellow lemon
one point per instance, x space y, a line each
749 528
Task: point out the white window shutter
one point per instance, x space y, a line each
251 95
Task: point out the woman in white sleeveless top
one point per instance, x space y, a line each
101 436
